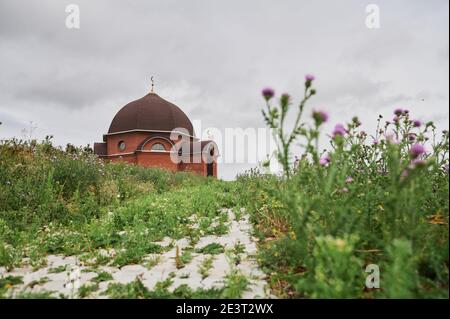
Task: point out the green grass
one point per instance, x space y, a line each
123 207
205 267
235 285
136 290
86 290
211 249
102 276
58 269
38 282
7 283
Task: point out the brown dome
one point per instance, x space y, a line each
150 113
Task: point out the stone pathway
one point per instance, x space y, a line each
64 275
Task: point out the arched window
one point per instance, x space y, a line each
158 147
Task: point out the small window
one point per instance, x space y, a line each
158 147
122 145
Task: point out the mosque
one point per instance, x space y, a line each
153 132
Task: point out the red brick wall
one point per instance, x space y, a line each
151 159
155 159
132 141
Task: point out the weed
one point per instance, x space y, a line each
102 276
86 290
206 266
235 285
58 269
211 249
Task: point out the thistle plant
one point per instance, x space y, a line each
275 117
377 198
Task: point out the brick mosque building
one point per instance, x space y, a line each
153 132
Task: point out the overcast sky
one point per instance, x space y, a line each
212 58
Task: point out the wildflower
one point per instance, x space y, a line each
325 160
417 150
349 180
412 137
376 142
309 78
339 129
285 99
417 123
356 121
268 93
320 117
345 190
398 111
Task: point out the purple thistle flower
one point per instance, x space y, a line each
309 78
325 160
268 93
417 150
398 111
320 117
349 180
412 137
339 129
375 142
396 119
417 123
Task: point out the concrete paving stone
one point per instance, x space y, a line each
239 233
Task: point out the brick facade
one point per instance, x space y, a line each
143 143
138 150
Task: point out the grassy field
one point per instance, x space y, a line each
373 200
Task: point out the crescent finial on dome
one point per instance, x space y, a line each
153 84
